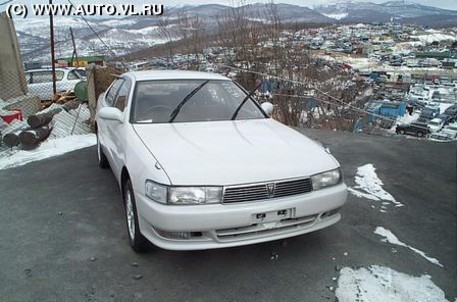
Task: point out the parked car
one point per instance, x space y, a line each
430 112
418 129
201 164
39 81
416 104
452 111
451 130
441 137
435 125
452 126
446 118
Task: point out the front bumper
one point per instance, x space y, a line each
228 225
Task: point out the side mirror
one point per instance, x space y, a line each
110 113
267 107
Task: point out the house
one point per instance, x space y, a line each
81 61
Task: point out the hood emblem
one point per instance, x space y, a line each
270 189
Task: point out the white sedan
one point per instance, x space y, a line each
201 164
39 81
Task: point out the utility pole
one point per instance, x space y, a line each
53 57
75 54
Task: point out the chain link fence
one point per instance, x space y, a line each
30 113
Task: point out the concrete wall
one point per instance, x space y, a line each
12 79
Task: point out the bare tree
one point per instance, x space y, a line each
168 31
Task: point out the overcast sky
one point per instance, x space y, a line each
447 4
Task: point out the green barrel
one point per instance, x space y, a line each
81 91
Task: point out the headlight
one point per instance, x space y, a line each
194 195
156 192
326 179
183 195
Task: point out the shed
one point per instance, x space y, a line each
385 108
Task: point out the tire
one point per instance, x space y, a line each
402 132
102 160
138 243
420 134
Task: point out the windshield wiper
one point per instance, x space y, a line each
244 101
175 112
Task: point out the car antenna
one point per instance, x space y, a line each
244 101
175 112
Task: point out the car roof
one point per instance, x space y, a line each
50 69
145 75
438 120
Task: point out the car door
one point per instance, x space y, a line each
41 83
103 125
116 129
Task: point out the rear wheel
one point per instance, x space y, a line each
102 160
420 134
138 243
402 131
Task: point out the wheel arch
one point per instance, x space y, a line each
124 177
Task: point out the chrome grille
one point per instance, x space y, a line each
267 190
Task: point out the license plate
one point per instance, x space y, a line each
272 216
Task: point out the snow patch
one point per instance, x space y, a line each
117 23
405 120
434 37
379 284
47 149
336 16
369 186
391 238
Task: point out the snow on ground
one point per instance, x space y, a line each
69 132
379 283
369 186
405 120
49 148
391 238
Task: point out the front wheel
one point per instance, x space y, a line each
138 243
420 134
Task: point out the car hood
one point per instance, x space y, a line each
233 152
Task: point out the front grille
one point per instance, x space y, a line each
267 190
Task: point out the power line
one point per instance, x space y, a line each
331 103
6 2
313 87
98 36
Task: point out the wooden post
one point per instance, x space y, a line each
39 120
30 139
11 139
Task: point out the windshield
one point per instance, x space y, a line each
191 101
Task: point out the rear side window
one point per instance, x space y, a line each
72 75
45 76
122 96
112 92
